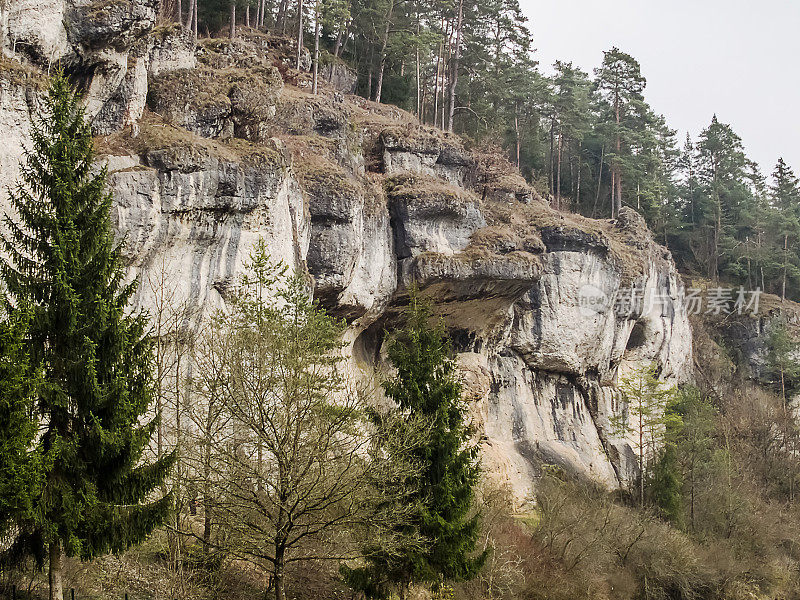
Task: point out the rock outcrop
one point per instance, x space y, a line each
211 148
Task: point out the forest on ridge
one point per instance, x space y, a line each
589 142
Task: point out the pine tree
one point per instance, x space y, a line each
665 485
782 367
723 175
645 417
426 387
784 195
94 356
693 440
570 113
620 81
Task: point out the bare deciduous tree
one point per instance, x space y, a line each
286 459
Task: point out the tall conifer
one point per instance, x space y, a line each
426 388
93 355
20 465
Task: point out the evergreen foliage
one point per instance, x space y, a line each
66 270
645 418
426 387
692 438
20 467
591 144
665 487
783 368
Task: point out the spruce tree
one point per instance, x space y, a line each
93 355
20 465
426 387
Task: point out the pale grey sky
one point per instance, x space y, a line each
736 58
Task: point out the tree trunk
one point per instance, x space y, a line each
783 389
571 163
454 69
436 81
613 192
691 501
445 63
179 11
247 16
641 450
551 174
345 39
207 507
340 37
558 170
578 188
785 252
315 76
384 44
233 19
369 76
194 21
258 12
280 21
55 569
599 179
207 501
617 169
717 229
419 89
299 33
280 567
516 132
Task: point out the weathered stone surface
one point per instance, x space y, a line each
35 29
193 219
115 24
19 102
173 48
218 103
425 151
431 216
340 77
368 202
118 100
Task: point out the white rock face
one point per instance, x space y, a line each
35 28
540 365
539 315
17 105
171 51
190 224
428 155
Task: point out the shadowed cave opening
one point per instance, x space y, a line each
637 338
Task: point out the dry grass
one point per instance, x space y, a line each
503 240
156 134
415 188
769 304
205 88
314 162
21 74
624 247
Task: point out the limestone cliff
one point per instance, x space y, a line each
210 147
